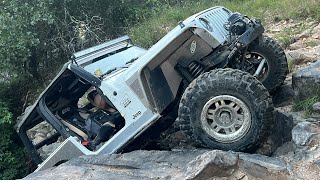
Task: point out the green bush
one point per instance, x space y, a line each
306 105
157 23
12 158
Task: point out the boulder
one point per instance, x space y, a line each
263 167
176 165
306 82
283 96
295 46
302 163
195 164
316 107
282 128
299 116
281 133
306 138
299 56
305 133
46 150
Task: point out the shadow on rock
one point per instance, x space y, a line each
281 133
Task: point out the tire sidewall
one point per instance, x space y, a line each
209 141
231 82
274 61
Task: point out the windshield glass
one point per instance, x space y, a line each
117 60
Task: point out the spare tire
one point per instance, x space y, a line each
226 109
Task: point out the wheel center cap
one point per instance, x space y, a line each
225 118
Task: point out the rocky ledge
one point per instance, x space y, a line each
301 161
306 81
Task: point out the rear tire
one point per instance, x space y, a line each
226 109
276 66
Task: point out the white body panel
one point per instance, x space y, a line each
124 87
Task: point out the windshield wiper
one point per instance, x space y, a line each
132 60
117 68
111 70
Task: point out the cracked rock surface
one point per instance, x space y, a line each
188 164
300 161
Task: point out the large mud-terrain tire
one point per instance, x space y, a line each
275 69
226 109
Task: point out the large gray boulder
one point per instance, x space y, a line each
192 164
306 82
305 132
316 107
302 163
189 164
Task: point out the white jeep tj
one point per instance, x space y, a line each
212 72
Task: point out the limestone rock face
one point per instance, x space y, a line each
306 133
302 163
306 82
196 164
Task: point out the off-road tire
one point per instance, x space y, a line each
276 60
234 83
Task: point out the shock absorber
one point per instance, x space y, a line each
195 69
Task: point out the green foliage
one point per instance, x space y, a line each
306 105
312 43
290 65
12 164
19 29
287 36
19 93
158 23
5 115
